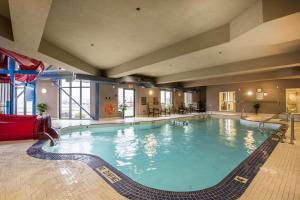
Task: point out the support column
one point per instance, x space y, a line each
97 101
34 98
11 69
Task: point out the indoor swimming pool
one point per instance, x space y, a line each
167 156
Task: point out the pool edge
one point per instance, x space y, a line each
228 188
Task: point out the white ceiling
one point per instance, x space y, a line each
120 33
172 40
276 37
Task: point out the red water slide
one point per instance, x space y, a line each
22 127
24 63
15 127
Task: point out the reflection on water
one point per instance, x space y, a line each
150 145
168 157
167 137
126 144
249 141
227 129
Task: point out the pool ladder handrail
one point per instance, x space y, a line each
52 140
261 124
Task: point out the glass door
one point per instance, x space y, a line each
293 100
227 101
129 100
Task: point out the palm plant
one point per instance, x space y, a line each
41 107
123 108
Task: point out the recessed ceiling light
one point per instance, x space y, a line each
138 9
220 52
92 44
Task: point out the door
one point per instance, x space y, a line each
129 100
227 101
293 100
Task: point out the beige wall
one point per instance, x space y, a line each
144 92
108 94
178 98
50 98
273 103
108 91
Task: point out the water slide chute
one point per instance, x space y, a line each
24 64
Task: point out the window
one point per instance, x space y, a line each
165 97
72 94
23 100
227 101
188 99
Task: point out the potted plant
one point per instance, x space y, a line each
41 107
123 108
168 108
256 107
190 107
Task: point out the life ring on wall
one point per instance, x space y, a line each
109 108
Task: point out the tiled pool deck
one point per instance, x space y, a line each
25 177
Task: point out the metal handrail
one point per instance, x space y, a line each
262 123
292 138
243 110
52 140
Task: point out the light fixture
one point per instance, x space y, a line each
179 94
249 93
277 86
150 92
114 86
265 94
43 90
239 89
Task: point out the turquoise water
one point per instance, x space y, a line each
168 157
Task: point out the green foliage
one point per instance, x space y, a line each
41 107
123 107
169 107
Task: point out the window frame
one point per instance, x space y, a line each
69 90
165 97
188 98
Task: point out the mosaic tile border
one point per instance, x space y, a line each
231 187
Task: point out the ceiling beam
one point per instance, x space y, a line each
261 76
28 20
23 34
5 28
205 40
243 67
50 50
57 57
259 12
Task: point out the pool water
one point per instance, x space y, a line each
166 156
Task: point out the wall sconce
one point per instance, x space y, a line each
179 94
249 93
150 92
265 94
43 90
